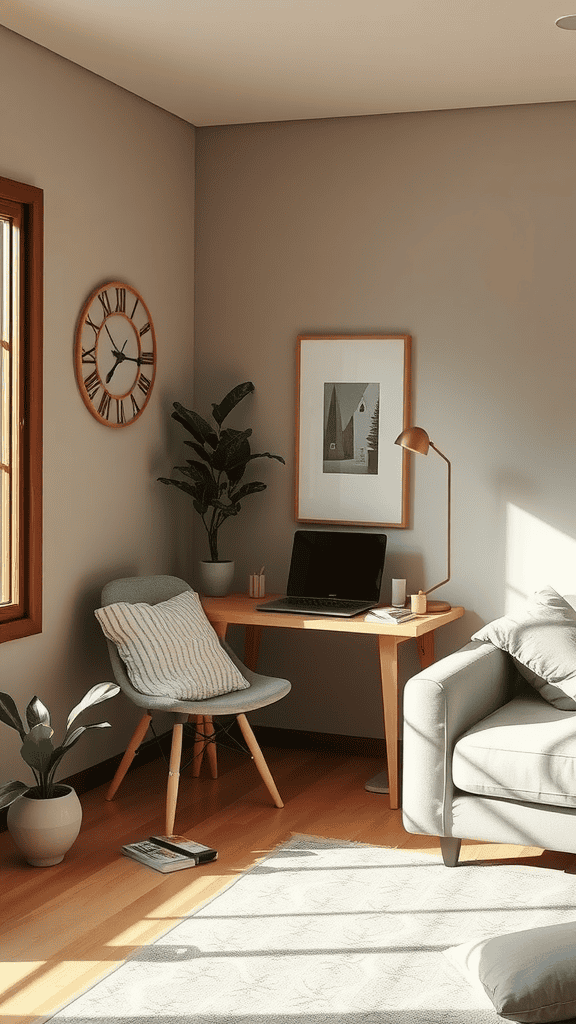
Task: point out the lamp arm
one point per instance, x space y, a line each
447 461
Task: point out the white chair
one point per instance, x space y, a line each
263 690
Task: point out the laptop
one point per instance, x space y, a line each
332 574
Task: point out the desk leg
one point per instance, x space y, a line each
251 642
220 628
425 645
252 646
389 781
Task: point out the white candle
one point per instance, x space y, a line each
398 593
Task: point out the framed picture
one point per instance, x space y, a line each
353 400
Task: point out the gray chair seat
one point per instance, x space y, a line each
263 690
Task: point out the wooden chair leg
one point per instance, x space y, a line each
211 745
259 761
137 737
199 746
174 774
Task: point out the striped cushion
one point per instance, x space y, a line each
170 649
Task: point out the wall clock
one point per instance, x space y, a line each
115 354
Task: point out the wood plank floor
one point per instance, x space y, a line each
64 927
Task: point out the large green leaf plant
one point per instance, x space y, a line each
214 479
38 750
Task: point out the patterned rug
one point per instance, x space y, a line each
323 932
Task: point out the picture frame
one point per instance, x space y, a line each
353 400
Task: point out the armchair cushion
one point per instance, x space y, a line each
528 975
542 642
170 648
524 750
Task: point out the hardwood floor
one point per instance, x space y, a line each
64 927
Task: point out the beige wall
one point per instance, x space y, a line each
457 227
117 175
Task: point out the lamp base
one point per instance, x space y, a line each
437 606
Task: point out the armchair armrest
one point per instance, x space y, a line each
440 704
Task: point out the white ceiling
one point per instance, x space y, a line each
239 61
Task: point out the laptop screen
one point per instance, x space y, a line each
331 564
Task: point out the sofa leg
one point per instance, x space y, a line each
450 847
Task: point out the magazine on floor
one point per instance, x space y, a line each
169 853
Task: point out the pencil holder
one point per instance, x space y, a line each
418 603
257 585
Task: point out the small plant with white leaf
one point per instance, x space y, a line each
38 749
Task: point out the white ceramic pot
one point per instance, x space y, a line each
216 578
44 830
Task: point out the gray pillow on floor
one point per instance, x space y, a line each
528 976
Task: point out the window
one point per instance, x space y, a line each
21 283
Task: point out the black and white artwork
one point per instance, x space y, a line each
352 402
351 414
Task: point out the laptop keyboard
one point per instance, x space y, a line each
320 602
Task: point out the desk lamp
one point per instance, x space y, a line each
415 439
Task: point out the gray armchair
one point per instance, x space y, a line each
486 757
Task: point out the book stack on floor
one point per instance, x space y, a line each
169 853
390 615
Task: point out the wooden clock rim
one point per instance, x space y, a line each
78 353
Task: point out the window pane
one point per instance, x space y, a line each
21 244
9 293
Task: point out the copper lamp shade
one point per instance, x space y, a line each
415 439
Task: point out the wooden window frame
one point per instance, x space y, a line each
24 617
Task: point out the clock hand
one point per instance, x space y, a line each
109 375
110 336
120 357
118 351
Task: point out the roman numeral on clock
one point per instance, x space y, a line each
143 384
92 383
146 357
120 416
89 355
103 297
104 407
135 406
144 330
95 327
120 300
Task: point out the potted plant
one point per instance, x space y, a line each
44 819
214 479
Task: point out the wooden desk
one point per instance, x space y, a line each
239 609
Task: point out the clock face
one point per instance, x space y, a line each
115 354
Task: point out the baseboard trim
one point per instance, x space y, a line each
301 739
268 736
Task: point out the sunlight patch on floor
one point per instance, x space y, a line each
23 984
167 914
14 972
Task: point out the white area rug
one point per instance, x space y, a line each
323 932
